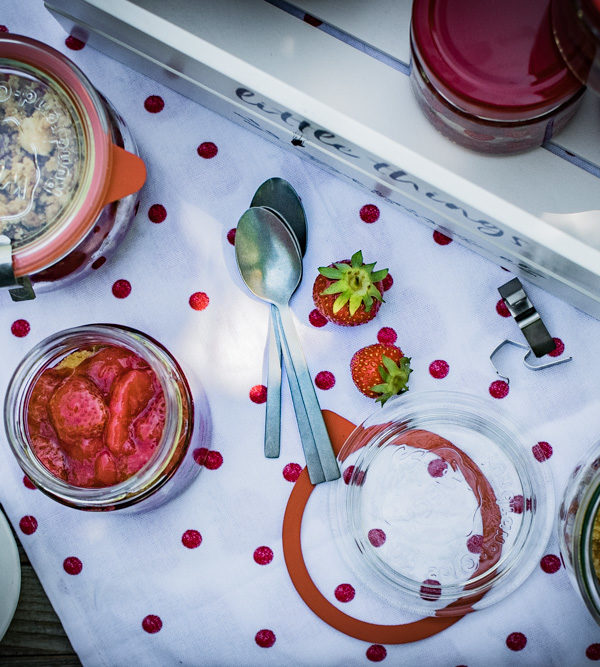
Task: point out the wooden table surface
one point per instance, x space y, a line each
35 636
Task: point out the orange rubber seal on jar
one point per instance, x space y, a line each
404 633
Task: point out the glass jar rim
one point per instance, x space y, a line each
148 479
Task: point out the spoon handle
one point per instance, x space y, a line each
313 463
273 409
307 391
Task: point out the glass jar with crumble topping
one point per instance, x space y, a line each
69 172
100 417
579 529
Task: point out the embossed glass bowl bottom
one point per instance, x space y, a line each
442 508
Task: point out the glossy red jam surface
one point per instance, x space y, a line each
497 61
97 417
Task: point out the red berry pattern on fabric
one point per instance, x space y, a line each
214 460
28 483
311 20
559 349
439 369
3 28
121 288
292 471
263 555
441 239
199 300
437 467
258 393
387 336
431 590
231 235
316 319
72 565
475 544
387 282
207 150
157 213
28 524
498 389
20 328
550 564
154 104
191 539
344 593
325 380
517 504
592 652
502 309
542 451
376 653
516 641
265 638
369 213
73 43
152 624
98 263
200 455
347 475
376 537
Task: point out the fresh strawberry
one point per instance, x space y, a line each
349 292
105 366
77 410
380 371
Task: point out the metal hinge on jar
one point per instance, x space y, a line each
20 289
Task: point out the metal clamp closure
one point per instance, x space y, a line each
22 289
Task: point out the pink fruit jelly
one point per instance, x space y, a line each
97 417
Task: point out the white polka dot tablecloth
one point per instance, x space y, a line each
202 579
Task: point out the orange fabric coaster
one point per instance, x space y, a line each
339 429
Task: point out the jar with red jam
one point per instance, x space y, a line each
489 75
100 417
69 170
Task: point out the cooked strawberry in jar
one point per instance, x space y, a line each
96 418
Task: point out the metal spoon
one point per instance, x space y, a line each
271 267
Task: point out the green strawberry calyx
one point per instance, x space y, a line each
354 283
394 376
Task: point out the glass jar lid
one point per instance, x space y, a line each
495 61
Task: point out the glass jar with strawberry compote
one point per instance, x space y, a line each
69 170
100 417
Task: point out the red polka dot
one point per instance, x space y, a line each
502 309
388 281
3 28
431 589
207 150
517 504
387 336
72 565
28 524
292 471
344 593
376 653
437 467
231 235
121 288
498 389
439 369
199 300
516 641
325 380
311 20
441 239
263 555
592 652
74 44
265 638
200 455
475 544
376 537
559 349
348 472
258 393
20 328
542 451
28 483
214 460
316 319
98 263
152 624
157 213
550 564
369 213
191 539
154 103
